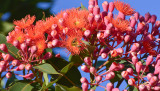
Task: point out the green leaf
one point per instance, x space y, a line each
22 86
47 68
11 49
83 7
66 68
72 74
45 75
76 60
64 88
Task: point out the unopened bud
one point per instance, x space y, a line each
109 86
138 66
84 80
28 67
111 6
98 78
15 62
149 60
85 87
84 68
34 49
131 81
3 47
8 75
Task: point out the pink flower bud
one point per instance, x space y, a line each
23 47
140 28
54 26
141 18
149 76
20 67
133 22
136 15
7 57
156 88
121 15
131 82
105 6
107 33
153 81
91 2
16 44
96 10
149 60
34 49
130 71
142 87
97 18
134 59
157 69
84 80
49 44
3 47
29 76
84 87
84 68
125 74
110 14
111 6
15 62
8 75
135 47
157 24
98 78
114 67
138 66
109 26
92 70
28 41
109 86
121 66
53 33
47 55
114 53
2 63
58 55
90 8
120 51
147 16
127 38
153 19
87 33
87 60
104 55
28 67
65 30
115 89
90 18
54 42
100 35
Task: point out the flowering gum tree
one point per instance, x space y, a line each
107 46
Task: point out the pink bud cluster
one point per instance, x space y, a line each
134 43
26 61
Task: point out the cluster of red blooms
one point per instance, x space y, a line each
111 35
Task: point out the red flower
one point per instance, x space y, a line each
123 7
25 22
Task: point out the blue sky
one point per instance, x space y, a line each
141 6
